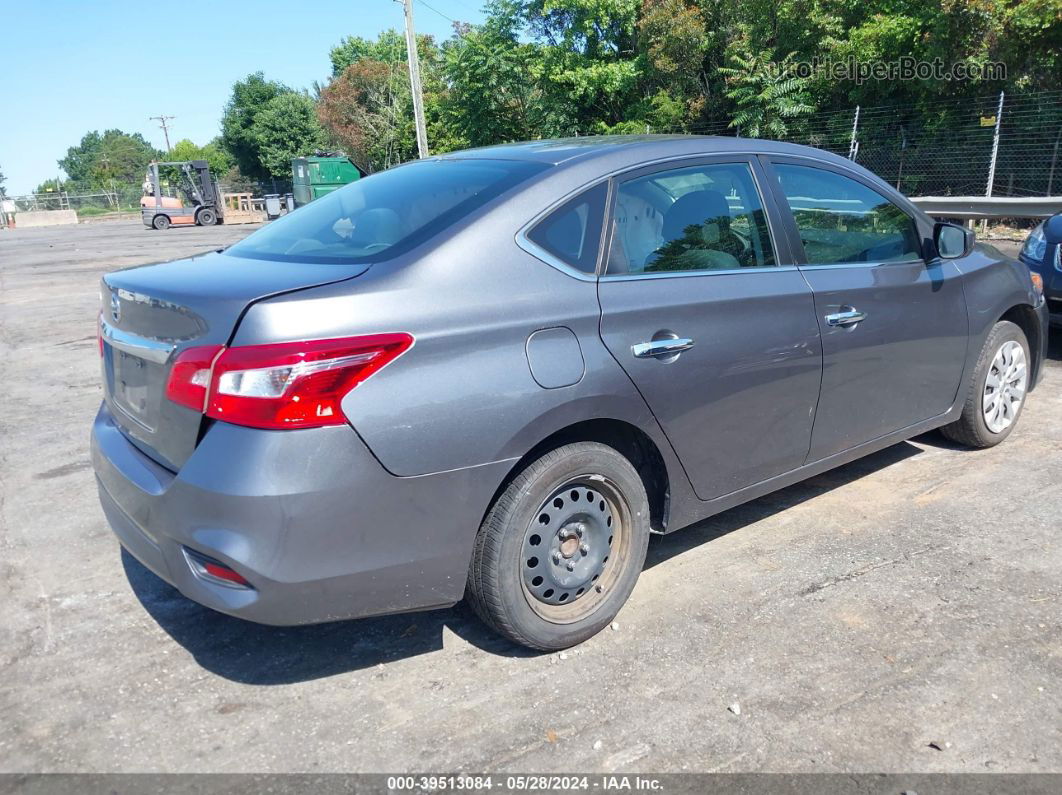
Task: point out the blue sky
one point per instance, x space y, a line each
70 67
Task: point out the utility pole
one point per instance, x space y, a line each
414 79
165 129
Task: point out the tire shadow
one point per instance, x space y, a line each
663 548
255 654
1054 339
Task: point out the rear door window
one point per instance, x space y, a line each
386 214
572 232
699 218
843 221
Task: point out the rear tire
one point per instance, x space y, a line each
160 222
206 217
561 548
997 391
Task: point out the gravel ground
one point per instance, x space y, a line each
901 613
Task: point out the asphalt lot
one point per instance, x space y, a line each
909 600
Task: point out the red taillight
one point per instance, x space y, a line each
283 385
190 376
208 568
224 573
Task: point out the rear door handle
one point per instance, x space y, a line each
667 347
846 317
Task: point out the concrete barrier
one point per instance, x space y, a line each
28 220
110 218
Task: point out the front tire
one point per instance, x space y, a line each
206 217
996 394
561 548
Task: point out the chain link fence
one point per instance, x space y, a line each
992 145
119 198
99 201
998 145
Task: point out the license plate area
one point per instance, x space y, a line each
131 387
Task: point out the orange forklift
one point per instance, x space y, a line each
198 201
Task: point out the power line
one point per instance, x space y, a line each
437 11
469 7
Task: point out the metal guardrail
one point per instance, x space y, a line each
977 207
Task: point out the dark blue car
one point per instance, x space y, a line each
1042 252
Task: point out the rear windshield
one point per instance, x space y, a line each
386 214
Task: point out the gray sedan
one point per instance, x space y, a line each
495 373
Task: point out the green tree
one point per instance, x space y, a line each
115 156
389 47
285 128
547 68
122 158
587 52
220 160
47 194
368 110
543 68
367 107
238 121
672 35
495 89
593 28
1031 43
768 95
80 159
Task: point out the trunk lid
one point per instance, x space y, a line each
151 313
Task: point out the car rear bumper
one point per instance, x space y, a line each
308 517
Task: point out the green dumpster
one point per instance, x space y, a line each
313 177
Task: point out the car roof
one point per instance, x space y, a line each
618 151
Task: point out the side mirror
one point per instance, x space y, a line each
1053 228
952 241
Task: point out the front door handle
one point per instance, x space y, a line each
846 317
665 347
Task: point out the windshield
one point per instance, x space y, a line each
383 215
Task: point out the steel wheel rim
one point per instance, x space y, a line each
1005 387
575 548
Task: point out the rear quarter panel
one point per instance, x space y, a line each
464 394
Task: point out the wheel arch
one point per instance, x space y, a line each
1026 318
627 439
